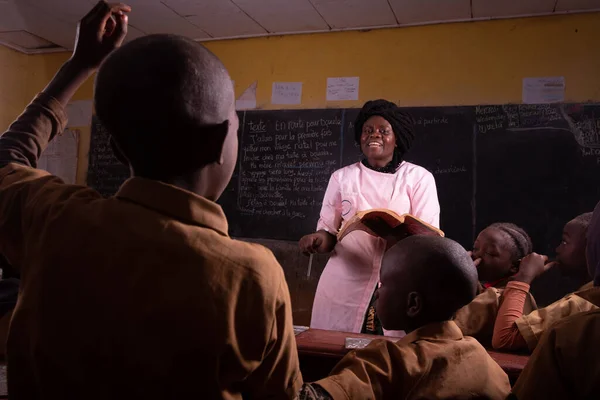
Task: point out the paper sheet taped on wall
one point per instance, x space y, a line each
342 88
79 113
544 90
287 93
247 101
60 157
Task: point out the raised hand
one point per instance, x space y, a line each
100 32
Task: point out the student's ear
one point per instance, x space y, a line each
215 141
414 304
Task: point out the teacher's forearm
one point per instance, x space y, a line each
329 241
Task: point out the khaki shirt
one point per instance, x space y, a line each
533 325
478 317
142 295
565 364
433 362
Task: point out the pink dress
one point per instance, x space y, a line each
352 272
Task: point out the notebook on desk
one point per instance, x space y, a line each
299 329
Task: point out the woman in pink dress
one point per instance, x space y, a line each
381 180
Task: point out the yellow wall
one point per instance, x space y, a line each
453 64
21 77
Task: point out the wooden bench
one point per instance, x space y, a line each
320 351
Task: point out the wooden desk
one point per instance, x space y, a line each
320 351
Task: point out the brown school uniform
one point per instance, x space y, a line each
433 362
533 325
565 364
477 318
142 295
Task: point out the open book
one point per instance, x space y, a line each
388 225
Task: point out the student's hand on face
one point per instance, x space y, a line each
533 266
476 261
100 32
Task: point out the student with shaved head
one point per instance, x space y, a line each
424 280
142 295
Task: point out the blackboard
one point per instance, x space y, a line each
105 173
284 164
534 165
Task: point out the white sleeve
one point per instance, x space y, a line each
330 219
424 202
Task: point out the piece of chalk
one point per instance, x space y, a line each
309 264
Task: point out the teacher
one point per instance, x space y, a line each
344 297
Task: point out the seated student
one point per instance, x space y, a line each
142 295
565 364
435 360
570 253
496 252
515 329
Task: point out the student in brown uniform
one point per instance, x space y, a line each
516 330
141 295
565 364
424 280
496 253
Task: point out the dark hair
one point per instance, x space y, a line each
520 241
584 220
402 125
155 94
441 268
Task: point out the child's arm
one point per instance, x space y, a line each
98 34
506 332
377 371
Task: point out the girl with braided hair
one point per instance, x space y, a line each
381 180
497 252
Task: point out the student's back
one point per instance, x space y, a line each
142 295
139 297
433 362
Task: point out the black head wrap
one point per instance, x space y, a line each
402 125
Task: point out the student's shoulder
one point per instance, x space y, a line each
589 293
573 337
572 325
